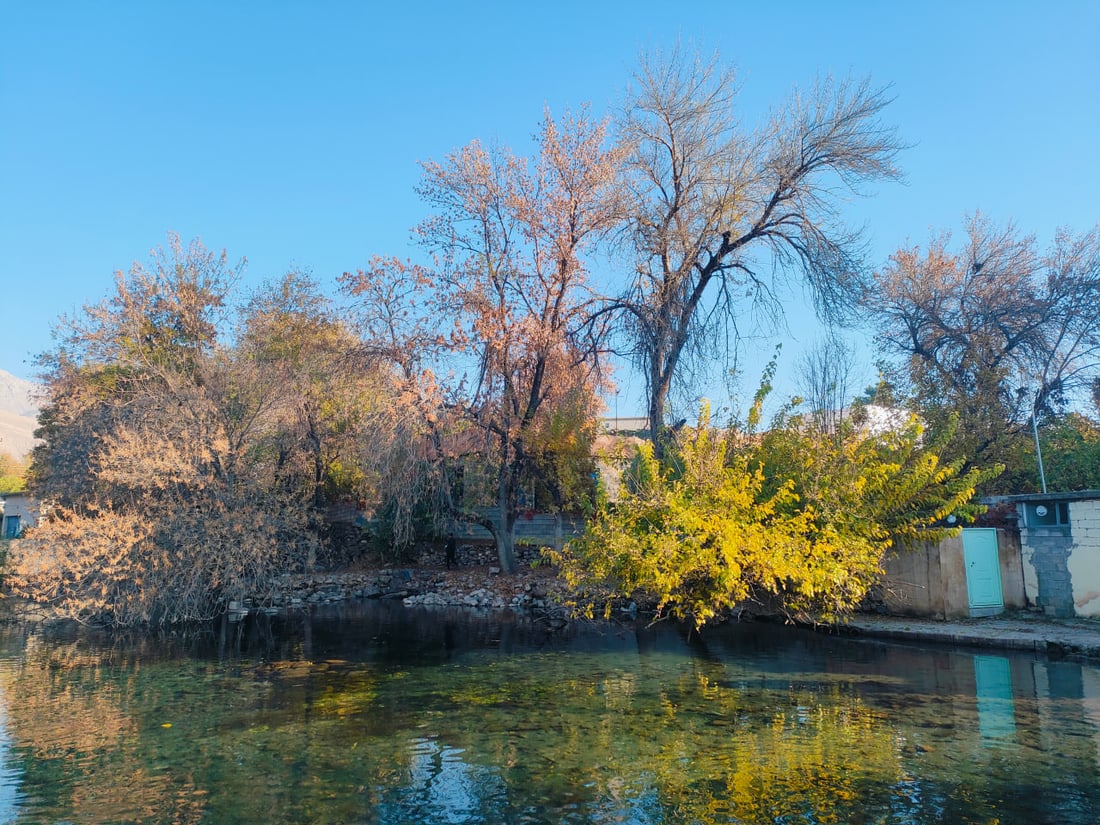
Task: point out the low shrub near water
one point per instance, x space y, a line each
124 568
796 521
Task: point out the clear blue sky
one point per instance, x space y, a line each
289 133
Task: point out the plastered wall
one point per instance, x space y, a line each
930 580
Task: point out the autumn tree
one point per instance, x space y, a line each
508 300
719 215
293 337
995 330
412 448
168 501
160 323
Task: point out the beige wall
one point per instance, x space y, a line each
1012 569
1084 557
930 580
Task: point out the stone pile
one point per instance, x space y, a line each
325 588
497 594
476 587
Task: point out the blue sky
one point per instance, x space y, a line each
289 133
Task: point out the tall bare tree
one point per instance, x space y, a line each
720 214
996 330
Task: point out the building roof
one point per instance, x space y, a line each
1076 495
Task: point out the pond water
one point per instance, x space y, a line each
375 713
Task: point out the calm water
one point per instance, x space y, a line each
375 714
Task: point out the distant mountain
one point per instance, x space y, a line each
18 414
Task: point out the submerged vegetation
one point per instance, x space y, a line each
373 715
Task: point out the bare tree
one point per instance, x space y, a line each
996 331
825 381
720 215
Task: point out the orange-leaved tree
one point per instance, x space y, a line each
167 499
505 305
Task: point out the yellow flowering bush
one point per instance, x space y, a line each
795 521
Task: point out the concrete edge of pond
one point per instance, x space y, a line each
1078 638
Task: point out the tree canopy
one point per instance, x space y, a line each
194 439
169 458
995 331
717 213
506 301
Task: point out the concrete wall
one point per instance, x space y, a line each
539 528
1083 563
930 580
22 506
1062 563
1012 569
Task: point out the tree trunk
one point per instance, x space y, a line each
656 411
505 534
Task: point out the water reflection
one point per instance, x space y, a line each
996 709
382 715
10 776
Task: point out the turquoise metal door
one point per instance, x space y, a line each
983 568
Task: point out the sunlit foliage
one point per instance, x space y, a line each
796 520
174 463
13 473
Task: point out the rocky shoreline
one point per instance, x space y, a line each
481 586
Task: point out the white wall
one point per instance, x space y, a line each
1084 559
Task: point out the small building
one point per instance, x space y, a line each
977 573
1060 545
20 513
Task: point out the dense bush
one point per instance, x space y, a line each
796 521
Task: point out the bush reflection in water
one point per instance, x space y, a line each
377 714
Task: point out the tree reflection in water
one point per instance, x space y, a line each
377 714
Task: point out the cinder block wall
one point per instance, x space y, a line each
1046 552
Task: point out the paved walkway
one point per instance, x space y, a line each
1078 638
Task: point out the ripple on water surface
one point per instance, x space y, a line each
380 714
